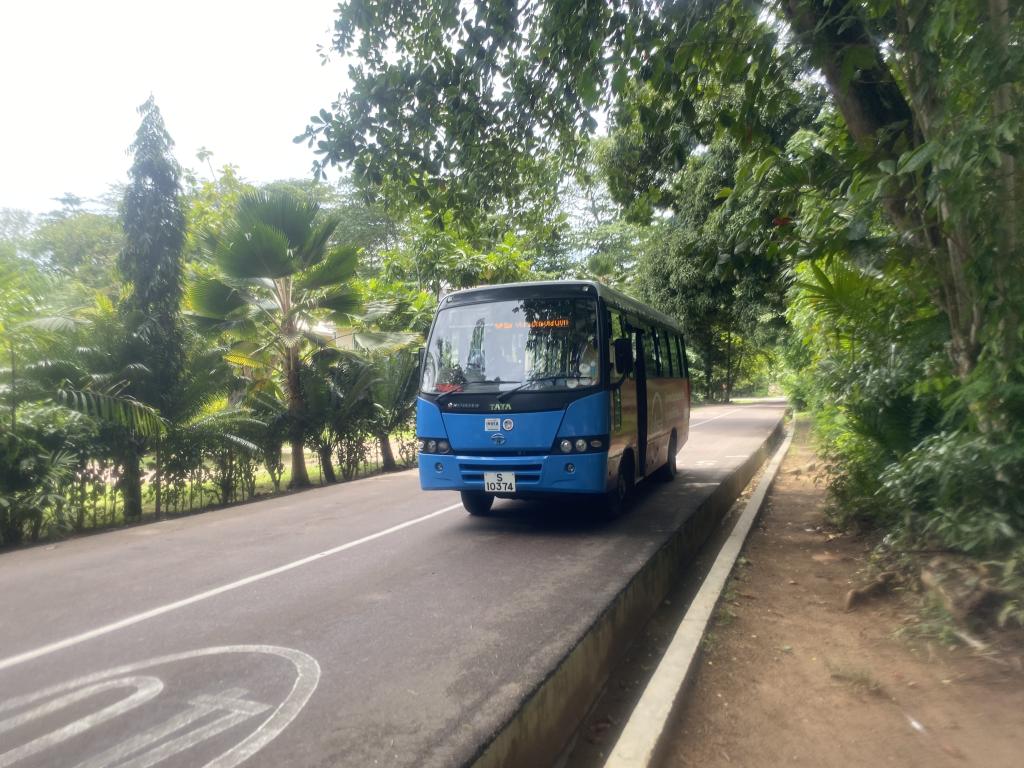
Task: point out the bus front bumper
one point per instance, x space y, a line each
535 475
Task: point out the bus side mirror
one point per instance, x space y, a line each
419 354
623 356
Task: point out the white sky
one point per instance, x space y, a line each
239 77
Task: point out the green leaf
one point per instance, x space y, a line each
381 340
343 302
114 409
620 80
210 298
57 324
256 249
917 158
337 268
243 361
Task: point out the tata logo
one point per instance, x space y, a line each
498 439
501 406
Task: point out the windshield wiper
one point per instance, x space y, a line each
528 382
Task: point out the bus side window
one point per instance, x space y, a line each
651 366
619 330
682 357
668 355
677 361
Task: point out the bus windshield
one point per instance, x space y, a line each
525 344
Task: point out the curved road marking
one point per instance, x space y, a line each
307 677
138 618
144 689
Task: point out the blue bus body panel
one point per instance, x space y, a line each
587 417
428 420
529 445
529 432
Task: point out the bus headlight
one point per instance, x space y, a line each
587 444
433 445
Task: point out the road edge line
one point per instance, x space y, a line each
643 737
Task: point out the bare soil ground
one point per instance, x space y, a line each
789 677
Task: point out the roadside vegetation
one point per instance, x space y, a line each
827 193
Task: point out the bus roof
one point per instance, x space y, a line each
611 296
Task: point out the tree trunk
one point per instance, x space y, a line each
709 372
879 118
324 452
728 366
14 395
131 482
157 479
80 510
387 455
1008 257
300 476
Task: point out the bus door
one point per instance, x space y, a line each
641 403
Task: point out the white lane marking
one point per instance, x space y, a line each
106 629
307 677
714 418
144 689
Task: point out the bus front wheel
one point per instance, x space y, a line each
613 502
477 502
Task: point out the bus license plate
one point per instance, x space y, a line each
499 482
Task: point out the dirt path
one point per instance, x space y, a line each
788 677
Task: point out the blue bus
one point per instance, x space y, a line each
537 389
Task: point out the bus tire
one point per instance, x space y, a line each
613 503
477 502
668 471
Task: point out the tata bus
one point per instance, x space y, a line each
550 388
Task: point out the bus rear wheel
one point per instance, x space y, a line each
477 502
670 468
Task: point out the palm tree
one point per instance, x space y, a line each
280 290
394 394
339 404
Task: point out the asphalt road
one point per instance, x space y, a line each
363 624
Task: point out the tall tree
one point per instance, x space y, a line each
461 100
150 264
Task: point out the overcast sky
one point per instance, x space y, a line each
239 77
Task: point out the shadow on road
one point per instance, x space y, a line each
574 515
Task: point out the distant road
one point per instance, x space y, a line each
361 624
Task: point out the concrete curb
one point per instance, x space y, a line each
643 737
537 732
